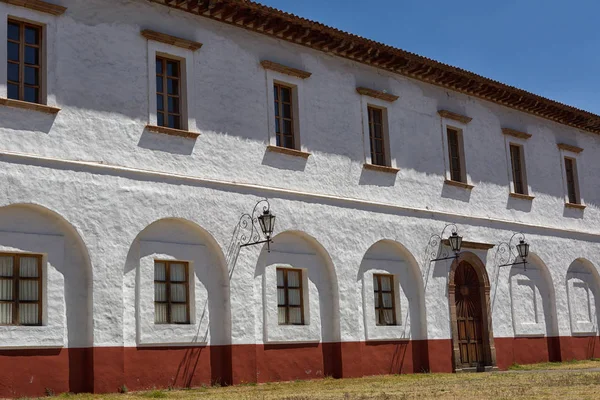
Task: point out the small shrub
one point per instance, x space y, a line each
123 389
49 392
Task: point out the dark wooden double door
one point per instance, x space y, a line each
469 316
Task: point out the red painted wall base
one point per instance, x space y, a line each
107 369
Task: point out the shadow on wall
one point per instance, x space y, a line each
284 161
456 193
25 120
166 143
519 204
376 178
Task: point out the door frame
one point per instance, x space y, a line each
489 349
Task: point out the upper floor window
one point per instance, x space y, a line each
284 116
518 170
572 181
456 155
377 136
289 296
168 93
24 69
20 289
171 292
385 304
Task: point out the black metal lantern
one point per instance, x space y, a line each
247 232
267 223
523 249
455 242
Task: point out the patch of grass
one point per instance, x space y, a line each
565 365
155 394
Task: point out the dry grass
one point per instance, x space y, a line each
566 365
509 385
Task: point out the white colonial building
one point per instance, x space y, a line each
135 134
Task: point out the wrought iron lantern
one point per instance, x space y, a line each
249 225
440 253
521 251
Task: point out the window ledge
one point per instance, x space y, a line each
25 105
576 206
458 184
381 168
522 196
172 132
289 152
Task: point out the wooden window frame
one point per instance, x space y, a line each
461 171
379 311
167 283
286 289
165 78
40 66
572 181
372 139
278 103
16 279
518 171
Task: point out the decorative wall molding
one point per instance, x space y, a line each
38 5
515 133
284 69
568 147
381 168
289 152
521 196
377 94
172 132
459 184
25 105
454 116
171 40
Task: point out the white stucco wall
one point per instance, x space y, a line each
106 181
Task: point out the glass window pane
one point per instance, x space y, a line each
32 35
6 289
31 76
377 305
32 55
160 271
277 126
28 290
375 283
276 92
13 51
388 316
160 119
386 283
276 109
159 66
173 105
294 297
279 277
160 292
288 142
287 111
13 72
28 314
295 316
173 86
159 84
173 68
178 272
160 313
12 91
160 102
387 299
29 267
293 279
287 127
6 266
174 122
178 292
14 31
31 94
281 315
6 315
179 314
286 95
281 297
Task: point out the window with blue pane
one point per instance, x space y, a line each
24 59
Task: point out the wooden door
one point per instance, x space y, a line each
469 316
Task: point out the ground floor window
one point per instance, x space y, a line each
171 292
289 296
385 304
20 289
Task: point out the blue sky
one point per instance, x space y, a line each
551 47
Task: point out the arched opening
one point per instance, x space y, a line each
583 294
394 317
65 364
299 311
471 319
533 307
177 297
